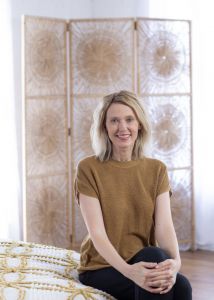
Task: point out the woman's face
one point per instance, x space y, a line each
122 126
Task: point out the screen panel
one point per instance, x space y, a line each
164 85
47 204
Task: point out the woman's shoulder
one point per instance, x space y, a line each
88 161
153 162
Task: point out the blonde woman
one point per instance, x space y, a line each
124 198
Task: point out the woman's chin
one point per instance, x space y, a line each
124 145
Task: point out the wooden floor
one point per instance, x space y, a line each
198 266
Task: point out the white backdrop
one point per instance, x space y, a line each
9 182
11 100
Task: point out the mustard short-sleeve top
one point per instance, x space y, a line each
127 192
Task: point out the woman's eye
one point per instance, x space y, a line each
114 120
129 120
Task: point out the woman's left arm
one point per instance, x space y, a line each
167 240
164 228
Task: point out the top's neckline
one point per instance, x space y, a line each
124 164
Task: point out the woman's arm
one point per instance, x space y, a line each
167 240
92 215
164 228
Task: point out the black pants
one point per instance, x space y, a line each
114 283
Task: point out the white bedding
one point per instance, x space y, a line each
37 272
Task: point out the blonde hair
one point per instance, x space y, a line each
101 143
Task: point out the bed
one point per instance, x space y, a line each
39 272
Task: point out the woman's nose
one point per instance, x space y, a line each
122 125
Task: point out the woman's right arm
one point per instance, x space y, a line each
92 215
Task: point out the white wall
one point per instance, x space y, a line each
119 8
172 9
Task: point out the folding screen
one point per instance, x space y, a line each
148 56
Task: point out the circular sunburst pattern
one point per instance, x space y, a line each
168 129
47 212
171 132
164 56
102 56
46 133
46 136
45 56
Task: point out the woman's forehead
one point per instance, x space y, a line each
119 109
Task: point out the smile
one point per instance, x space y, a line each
123 136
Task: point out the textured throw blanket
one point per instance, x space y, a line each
37 272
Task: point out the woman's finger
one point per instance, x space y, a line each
155 290
159 283
168 264
148 265
163 277
166 290
155 273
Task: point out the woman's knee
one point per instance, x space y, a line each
151 254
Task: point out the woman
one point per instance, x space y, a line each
124 198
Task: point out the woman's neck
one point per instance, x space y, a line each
122 155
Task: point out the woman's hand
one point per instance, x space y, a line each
171 266
153 277
145 275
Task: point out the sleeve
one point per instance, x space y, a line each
163 184
85 182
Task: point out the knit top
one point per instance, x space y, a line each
127 192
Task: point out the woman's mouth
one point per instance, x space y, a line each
123 137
